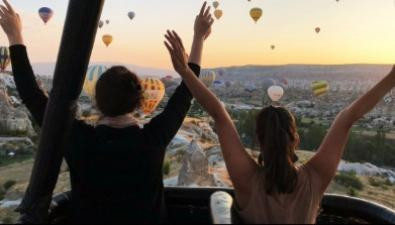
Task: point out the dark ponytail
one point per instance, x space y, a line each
277 135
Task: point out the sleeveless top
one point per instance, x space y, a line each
300 207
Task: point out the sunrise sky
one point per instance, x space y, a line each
353 31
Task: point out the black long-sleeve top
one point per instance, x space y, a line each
116 174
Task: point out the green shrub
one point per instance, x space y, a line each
352 192
166 168
349 180
2 194
374 182
7 185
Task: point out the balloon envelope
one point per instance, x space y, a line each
320 87
256 14
107 39
154 91
45 14
215 4
4 58
317 30
218 14
275 93
208 78
101 23
92 76
131 15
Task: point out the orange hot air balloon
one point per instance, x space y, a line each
154 91
107 39
256 14
218 14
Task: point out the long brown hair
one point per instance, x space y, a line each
278 138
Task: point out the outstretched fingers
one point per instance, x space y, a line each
9 7
203 9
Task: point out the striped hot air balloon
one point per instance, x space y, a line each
154 91
93 75
208 78
320 87
4 58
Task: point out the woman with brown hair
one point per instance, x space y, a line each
275 190
115 167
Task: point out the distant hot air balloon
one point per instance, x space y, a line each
256 14
215 4
4 58
154 91
284 82
45 14
320 87
275 93
92 76
273 47
317 30
107 21
131 15
101 23
208 78
218 14
267 83
107 39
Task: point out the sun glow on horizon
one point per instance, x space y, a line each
352 31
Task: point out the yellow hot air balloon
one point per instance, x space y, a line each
154 91
93 75
256 14
107 39
208 78
218 14
320 87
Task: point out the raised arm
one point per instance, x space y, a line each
165 126
31 94
240 165
329 155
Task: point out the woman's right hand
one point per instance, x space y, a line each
203 23
11 23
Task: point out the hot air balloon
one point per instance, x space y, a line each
131 15
4 58
107 39
320 87
284 82
275 93
154 91
208 78
101 23
218 14
93 75
107 21
317 30
45 14
267 83
215 4
250 88
273 47
256 14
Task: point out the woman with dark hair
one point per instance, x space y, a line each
115 167
274 190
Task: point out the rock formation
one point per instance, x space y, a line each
195 169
